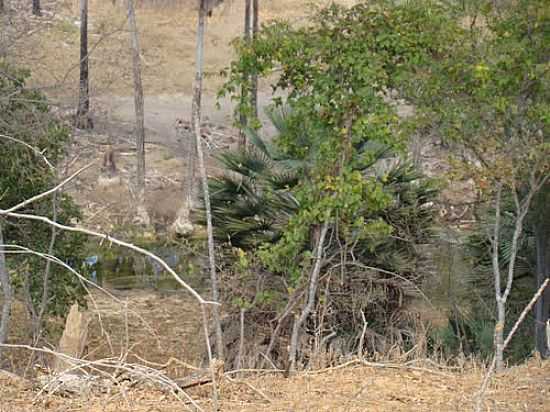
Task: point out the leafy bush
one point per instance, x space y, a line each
24 115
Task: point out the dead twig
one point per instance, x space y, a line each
255 390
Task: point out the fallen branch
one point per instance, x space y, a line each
377 365
140 372
256 390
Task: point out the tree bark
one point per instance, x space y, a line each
522 208
312 291
39 315
183 224
83 120
141 215
36 8
243 121
254 79
1 6
542 242
196 119
8 294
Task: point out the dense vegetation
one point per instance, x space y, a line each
478 77
32 145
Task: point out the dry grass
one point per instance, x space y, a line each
355 388
167 36
174 334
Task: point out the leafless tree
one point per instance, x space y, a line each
83 120
542 240
522 207
7 292
244 88
254 79
142 215
196 120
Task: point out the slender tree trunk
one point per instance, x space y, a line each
196 120
7 292
183 225
141 215
310 302
542 307
499 334
522 207
254 79
244 88
1 6
39 315
83 120
36 9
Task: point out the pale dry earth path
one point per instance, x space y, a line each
161 112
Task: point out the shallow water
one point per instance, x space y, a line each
120 269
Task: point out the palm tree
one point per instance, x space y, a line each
253 201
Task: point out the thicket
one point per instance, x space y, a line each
476 77
31 134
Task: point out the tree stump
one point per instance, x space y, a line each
74 338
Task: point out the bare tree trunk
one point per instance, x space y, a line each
243 121
183 225
542 307
7 291
8 294
37 323
2 6
36 9
238 363
83 120
254 79
522 207
196 119
312 291
141 215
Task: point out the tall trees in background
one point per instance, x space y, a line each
83 119
141 215
249 88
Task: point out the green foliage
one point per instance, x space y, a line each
335 74
491 95
489 100
24 115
